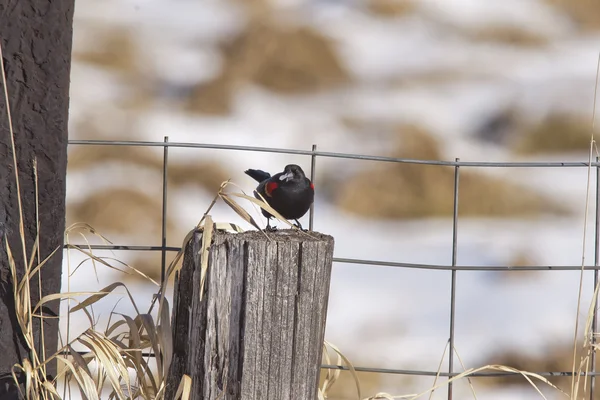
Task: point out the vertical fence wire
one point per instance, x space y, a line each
453 285
163 261
596 261
313 173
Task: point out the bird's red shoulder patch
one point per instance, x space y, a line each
312 186
269 187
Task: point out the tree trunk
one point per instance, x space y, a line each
36 37
257 333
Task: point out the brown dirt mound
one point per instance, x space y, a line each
509 35
586 13
390 8
125 211
281 59
557 133
211 98
149 263
370 384
557 358
396 190
208 175
114 49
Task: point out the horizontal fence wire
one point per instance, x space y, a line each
534 164
314 153
420 373
450 375
341 260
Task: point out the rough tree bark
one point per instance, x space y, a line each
36 37
257 333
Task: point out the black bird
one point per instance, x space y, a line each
289 192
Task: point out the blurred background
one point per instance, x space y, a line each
482 80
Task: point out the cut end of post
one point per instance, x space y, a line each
280 235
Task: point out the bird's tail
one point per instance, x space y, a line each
257 174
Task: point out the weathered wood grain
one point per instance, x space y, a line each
258 332
36 38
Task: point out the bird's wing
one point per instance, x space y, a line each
257 174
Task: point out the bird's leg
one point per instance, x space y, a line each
298 225
270 228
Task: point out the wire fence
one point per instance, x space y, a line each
453 267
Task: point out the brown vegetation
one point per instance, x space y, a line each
125 211
520 259
403 190
586 13
390 8
557 358
213 97
208 175
130 211
370 383
147 263
423 78
114 49
512 35
557 133
281 59
133 214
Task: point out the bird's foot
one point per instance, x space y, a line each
299 226
270 228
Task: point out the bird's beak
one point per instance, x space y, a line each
286 177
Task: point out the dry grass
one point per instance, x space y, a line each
586 13
111 355
395 190
557 133
111 361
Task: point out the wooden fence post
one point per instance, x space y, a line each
257 333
